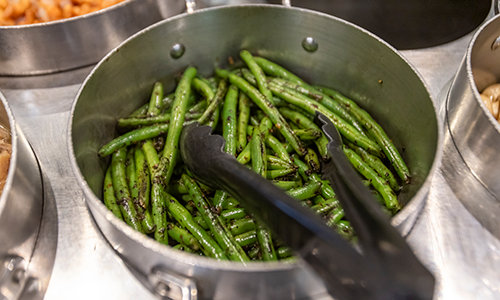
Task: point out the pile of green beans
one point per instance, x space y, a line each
265 113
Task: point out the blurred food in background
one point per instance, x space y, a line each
22 12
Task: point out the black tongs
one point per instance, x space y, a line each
384 268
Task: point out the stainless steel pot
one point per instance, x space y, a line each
20 209
80 41
474 130
346 58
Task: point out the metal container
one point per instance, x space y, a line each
475 132
320 48
20 209
407 24
79 41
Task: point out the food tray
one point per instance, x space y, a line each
449 240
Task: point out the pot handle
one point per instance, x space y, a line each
15 282
172 286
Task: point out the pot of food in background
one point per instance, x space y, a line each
38 37
320 49
472 113
20 203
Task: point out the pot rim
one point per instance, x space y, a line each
69 20
211 263
470 75
13 159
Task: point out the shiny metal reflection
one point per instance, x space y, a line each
71 43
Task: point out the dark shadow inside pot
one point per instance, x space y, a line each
407 24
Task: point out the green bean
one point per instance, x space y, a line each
244 117
266 244
286 185
305 192
133 136
274 162
204 88
213 82
182 236
229 134
109 195
345 229
334 217
277 147
307 174
156 170
380 184
259 163
184 248
247 238
230 203
333 106
258 73
140 187
377 165
200 222
120 187
198 108
132 123
230 121
171 150
323 207
266 127
215 224
246 155
143 110
212 113
284 252
241 226
375 131
275 70
346 129
254 253
156 99
273 174
307 134
254 121
219 199
206 83
177 188
298 90
182 215
231 214
269 109
312 160
306 123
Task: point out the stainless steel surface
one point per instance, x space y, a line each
474 131
462 254
80 41
20 209
109 93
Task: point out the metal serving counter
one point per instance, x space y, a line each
452 243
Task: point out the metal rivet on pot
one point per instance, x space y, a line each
495 44
309 44
162 289
177 51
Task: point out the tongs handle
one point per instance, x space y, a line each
326 251
397 273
